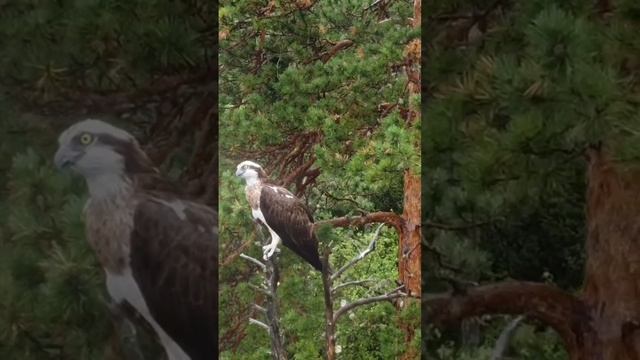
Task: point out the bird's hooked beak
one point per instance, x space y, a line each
65 157
239 172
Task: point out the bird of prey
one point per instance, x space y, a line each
158 249
285 216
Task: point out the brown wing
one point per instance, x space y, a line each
289 217
174 260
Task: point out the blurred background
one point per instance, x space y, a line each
523 97
145 65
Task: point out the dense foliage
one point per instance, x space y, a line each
518 91
61 48
62 61
314 92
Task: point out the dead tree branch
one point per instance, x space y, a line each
395 293
260 289
259 323
502 344
254 260
272 316
331 316
362 255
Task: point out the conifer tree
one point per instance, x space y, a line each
532 119
316 92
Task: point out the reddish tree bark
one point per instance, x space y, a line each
386 217
565 313
409 264
612 274
409 249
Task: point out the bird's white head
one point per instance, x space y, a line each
250 172
103 154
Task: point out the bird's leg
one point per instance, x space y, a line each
258 225
268 250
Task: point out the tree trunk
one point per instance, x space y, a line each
409 259
330 330
409 264
612 275
603 322
562 311
278 351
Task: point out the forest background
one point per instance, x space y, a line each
531 145
324 95
148 66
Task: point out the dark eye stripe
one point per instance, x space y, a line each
134 159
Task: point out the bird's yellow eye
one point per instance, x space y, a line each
85 139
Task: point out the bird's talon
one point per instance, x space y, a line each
268 251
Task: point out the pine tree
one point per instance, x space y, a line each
316 92
526 99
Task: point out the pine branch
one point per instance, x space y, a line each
389 218
448 227
439 258
336 198
564 312
90 101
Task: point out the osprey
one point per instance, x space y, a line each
286 217
158 250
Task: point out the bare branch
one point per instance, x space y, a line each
568 315
271 312
261 289
362 255
339 46
254 260
373 4
395 293
505 337
259 323
299 171
259 308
